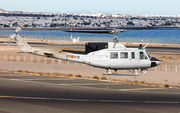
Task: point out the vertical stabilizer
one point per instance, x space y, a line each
23 45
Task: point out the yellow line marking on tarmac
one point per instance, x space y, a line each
89 100
24 97
39 79
14 75
77 84
136 89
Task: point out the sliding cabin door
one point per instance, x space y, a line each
134 59
125 59
114 60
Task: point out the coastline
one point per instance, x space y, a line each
92 28
79 28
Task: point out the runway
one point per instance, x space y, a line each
50 94
157 49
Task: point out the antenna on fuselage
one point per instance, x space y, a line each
146 45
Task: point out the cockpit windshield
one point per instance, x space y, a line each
148 54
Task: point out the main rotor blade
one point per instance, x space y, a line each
84 31
116 31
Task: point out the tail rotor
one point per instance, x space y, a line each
19 27
13 36
9 39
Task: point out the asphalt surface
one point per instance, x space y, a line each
48 94
166 50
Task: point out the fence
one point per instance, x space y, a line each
36 59
100 39
40 59
166 68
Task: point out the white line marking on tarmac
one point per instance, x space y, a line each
87 86
161 102
89 100
72 84
140 89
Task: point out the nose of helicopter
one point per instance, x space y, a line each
155 62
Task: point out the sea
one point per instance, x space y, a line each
151 33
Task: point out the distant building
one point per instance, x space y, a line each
31 19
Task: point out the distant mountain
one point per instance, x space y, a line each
1 10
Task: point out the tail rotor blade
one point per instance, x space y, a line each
8 40
18 29
12 36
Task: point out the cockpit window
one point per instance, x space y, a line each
142 55
148 54
114 55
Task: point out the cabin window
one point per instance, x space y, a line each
114 55
142 55
133 55
124 55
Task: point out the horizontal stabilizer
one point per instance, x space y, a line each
48 54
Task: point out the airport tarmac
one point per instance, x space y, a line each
49 94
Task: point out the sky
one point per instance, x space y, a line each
139 7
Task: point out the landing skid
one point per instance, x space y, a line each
125 74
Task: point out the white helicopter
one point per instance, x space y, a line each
110 55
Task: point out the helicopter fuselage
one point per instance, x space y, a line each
116 56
